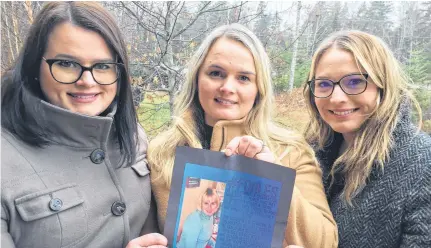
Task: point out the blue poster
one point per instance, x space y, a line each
237 202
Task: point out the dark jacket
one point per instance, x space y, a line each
394 208
70 194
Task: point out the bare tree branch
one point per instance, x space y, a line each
153 31
143 8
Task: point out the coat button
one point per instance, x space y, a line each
55 204
97 156
118 208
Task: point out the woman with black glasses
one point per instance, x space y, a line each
73 165
376 164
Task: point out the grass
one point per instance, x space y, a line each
154 113
291 111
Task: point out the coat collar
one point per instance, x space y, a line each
223 131
68 128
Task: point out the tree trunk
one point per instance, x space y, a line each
15 30
315 33
295 48
5 18
169 61
29 10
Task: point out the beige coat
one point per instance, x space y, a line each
61 196
310 222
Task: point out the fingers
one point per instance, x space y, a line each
232 146
265 155
152 240
245 145
251 146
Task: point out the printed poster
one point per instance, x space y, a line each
223 202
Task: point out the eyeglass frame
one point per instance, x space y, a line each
50 62
338 83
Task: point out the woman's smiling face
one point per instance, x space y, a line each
75 44
227 86
209 205
344 113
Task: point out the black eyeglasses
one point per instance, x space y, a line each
351 84
69 72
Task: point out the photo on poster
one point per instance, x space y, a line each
219 201
200 213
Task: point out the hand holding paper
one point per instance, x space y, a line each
251 147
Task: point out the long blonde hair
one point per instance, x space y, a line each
373 140
188 113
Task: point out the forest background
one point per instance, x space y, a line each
161 37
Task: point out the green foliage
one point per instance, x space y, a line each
281 65
427 126
301 72
283 62
424 99
154 113
419 68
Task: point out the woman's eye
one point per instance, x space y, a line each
244 78
355 81
65 63
102 66
215 74
324 84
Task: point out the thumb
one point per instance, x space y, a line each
148 240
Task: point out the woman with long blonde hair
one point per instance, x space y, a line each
226 105
376 164
198 226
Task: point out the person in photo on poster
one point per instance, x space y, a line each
225 105
198 226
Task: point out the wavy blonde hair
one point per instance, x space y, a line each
373 140
259 122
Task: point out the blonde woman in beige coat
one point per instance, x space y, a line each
73 165
225 106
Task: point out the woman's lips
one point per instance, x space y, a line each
83 97
224 101
343 112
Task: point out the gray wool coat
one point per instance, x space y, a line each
76 192
394 208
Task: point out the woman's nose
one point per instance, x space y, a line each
338 95
228 85
86 79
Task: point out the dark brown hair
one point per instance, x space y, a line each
21 120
